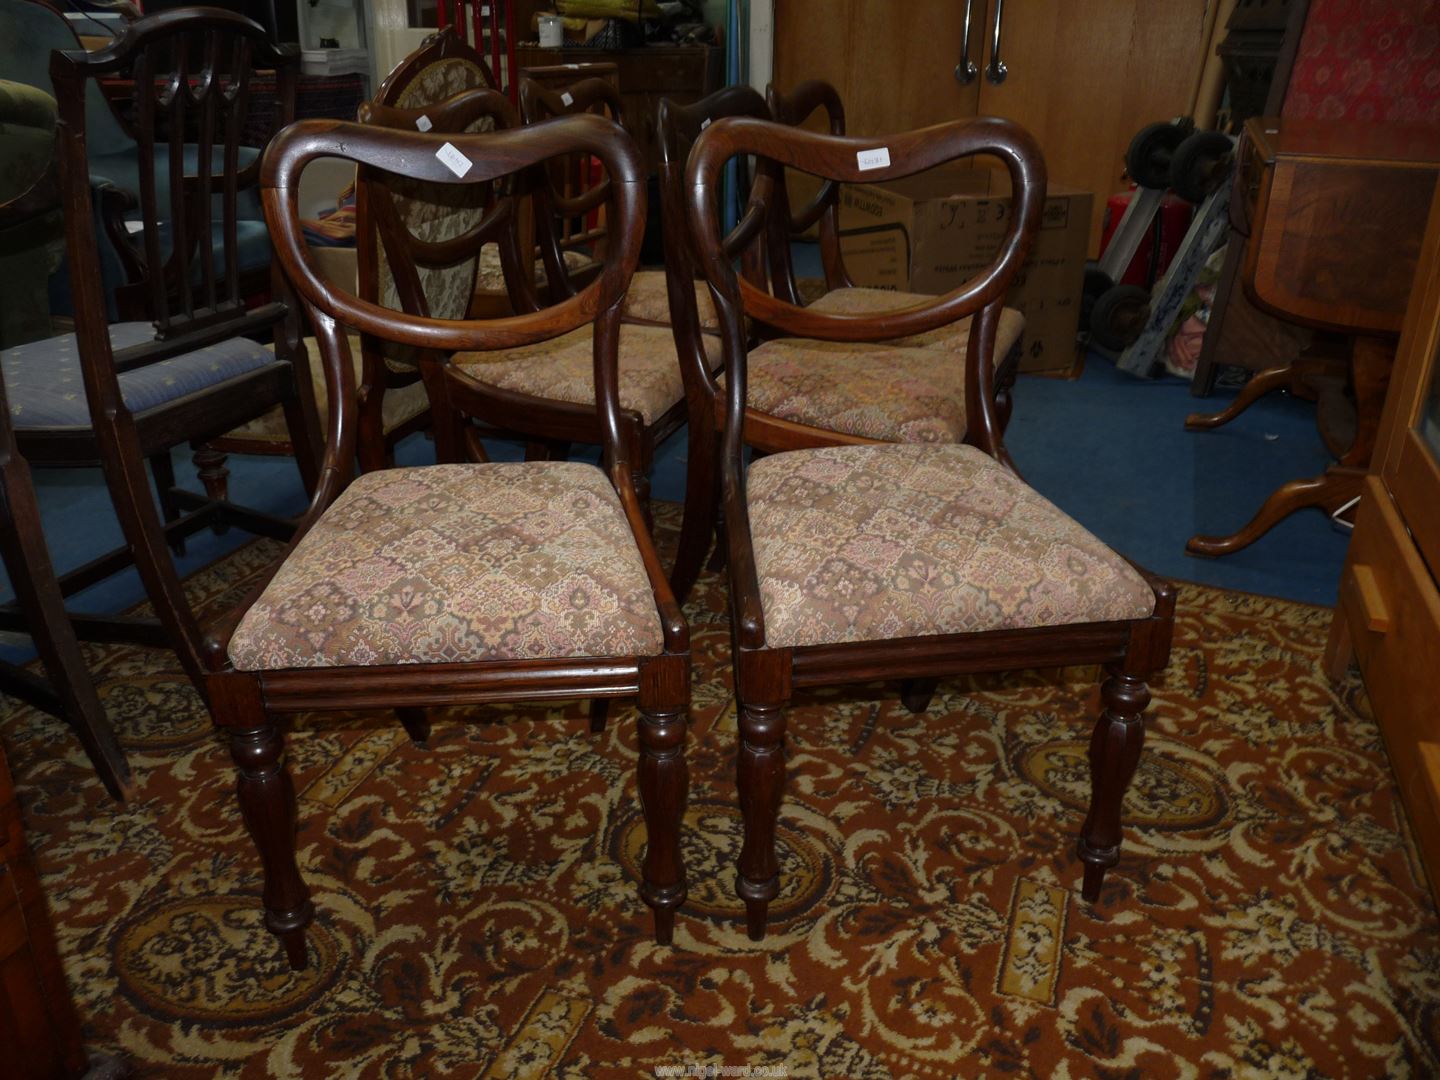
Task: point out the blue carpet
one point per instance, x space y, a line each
1107 448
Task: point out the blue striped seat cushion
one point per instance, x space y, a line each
46 389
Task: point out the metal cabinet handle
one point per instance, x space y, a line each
995 71
966 71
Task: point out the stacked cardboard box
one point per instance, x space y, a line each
932 232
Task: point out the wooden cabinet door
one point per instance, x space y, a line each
1085 75
894 64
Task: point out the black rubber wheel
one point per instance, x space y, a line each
1148 159
1119 316
1097 284
1201 164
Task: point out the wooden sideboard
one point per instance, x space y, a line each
1388 617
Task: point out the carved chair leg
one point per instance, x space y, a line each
210 465
760 778
664 786
162 468
915 694
267 801
416 723
599 711
1114 752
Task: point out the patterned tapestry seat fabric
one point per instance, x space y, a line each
397 406
862 301
491 278
455 564
563 368
879 391
647 298
870 543
47 389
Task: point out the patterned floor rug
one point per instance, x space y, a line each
477 912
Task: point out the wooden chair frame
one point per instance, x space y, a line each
823 213
765 677
194 316
678 127
246 703
560 194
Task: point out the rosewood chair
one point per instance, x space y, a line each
882 385
565 225
842 295
496 581
126 394
392 400
551 382
864 562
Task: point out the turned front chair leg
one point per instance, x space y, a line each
664 786
267 801
1114 752
760 777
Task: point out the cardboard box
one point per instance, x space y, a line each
932 232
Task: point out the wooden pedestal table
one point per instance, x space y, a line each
1334 213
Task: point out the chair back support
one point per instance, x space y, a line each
823 209
484 159
677 128
843 160
443 68
567 200
192 70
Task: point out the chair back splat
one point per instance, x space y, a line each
472 159
823 209
192 74
567 201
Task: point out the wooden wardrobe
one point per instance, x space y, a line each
1083 76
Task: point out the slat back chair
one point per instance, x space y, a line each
677 128
310 641
979 573
197 371
567 202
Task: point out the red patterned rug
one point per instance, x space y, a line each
477 911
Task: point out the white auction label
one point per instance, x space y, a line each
567 99
423 124
879 158
704 123
454 160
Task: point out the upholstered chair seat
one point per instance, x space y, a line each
399 406
648 300
491 275
955 336
47 389
563 369
872 543
457 564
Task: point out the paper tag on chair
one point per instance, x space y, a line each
704 123
879 158
423 124
567 99
454 160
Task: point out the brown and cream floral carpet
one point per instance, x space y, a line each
477 912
